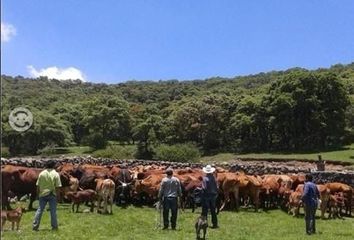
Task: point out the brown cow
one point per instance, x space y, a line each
20 181
324 196
90 170
270 190
252 190
347 192
190 181
297 179
79 197
294 203
335 204
148 187
230 183
191 193
67 167
105 189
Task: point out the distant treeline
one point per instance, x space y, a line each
288 110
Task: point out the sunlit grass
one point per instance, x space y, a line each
345 154
140 223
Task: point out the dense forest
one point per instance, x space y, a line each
290 110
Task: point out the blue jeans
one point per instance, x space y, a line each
209 203
52 200
310 218
170 203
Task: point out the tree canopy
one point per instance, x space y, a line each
296 109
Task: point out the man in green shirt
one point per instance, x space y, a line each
47 184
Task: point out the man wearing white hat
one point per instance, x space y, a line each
210 193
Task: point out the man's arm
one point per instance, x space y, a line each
37 185
179 189
57 185
58 181
305 193
162 188
204 184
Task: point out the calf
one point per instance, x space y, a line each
73 187
347 191
79 197
335 204
105 190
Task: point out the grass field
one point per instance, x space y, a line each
346 154
135 223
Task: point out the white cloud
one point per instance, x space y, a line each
7 32
57 73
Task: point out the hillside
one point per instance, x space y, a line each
295 109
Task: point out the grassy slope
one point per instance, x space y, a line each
139 223
346 154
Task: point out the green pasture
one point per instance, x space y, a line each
345 154
134 223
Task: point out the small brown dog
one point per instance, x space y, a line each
201 223
13 216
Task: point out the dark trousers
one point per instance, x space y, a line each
209 203
310 219
170 203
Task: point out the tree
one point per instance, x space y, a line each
149 134
248 125
109 117
306 111
45 131
202 120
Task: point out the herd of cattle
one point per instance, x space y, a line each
83 183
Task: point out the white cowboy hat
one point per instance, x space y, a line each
208 169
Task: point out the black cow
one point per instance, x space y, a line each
124 182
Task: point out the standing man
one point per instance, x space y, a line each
47 184
169 192
210 193
309 198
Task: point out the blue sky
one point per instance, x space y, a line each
114 41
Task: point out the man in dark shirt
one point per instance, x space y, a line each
169 192
210 193
309 198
